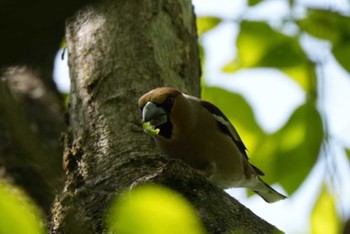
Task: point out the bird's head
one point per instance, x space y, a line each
156 107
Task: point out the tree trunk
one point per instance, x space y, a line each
118 50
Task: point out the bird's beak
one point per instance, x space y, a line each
154 114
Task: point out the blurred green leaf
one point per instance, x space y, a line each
326 24
253 2
152 209
290 153
66 100
332 26
287 53
63 44
347 151
259 45
238 111
205 24
324 217
231 66
304 74
17 213
291 3
341 52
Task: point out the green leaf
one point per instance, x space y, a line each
261 46
324 217
238 111
304 74
152 209
326 25
291 3
253 2
330 26
231 66
150 129
341 52
347 151
17 213
205 24
289 154
63 44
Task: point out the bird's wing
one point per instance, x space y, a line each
225 126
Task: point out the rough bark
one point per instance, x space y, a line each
119 50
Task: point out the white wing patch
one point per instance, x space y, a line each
232 130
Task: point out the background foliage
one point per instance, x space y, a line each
288 155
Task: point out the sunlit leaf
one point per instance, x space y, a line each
341 52
17 213
304 74
231 66
290 153
324 217
254 41
253 2
238 111
152 209
205 24
326 24
259 45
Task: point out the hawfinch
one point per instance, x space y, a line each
198 133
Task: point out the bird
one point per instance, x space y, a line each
197 132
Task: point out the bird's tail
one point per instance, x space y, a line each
267 193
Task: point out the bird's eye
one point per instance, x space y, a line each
169 101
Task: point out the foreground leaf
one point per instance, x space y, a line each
17 213
324 217
152 209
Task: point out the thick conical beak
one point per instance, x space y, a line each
154 114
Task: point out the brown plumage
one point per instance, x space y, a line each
198 133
